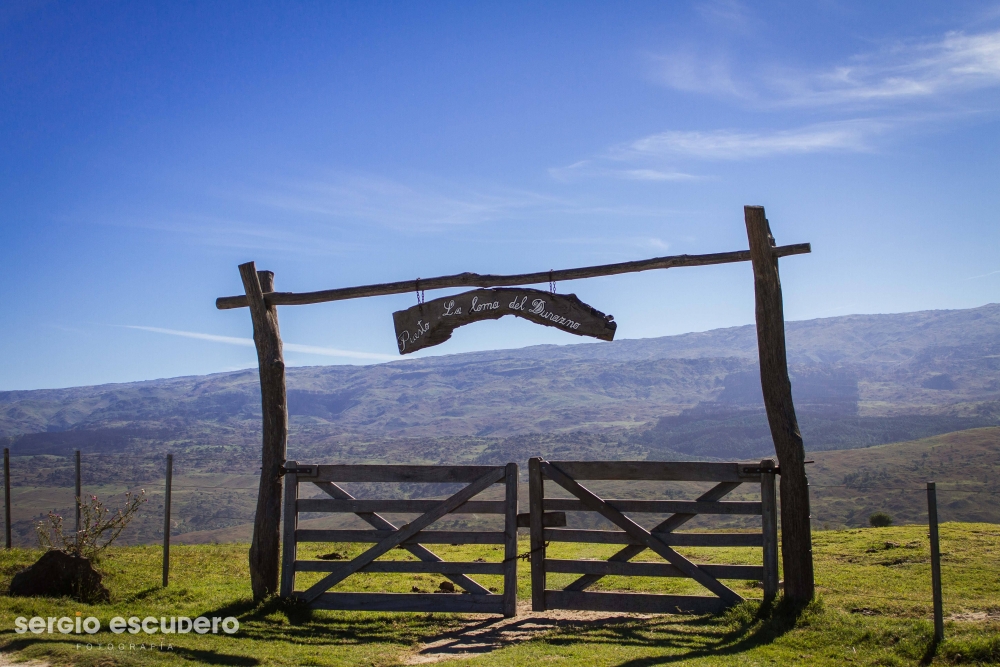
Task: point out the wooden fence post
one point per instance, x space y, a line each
536 494
264 548
78 493
289 549
932 517
796 537
769 528
510 543
6 494
166 519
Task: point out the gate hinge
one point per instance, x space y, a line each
758 470
304 471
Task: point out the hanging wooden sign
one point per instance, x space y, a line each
431 323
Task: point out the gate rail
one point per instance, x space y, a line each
410 536
660 539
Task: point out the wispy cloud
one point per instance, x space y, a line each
901 72
953 64
413 207
851 135
599 168
248 342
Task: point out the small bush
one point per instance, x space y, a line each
880 520
99 527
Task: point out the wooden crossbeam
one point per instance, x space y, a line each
403 534
423 553
668 525
477 280
640 534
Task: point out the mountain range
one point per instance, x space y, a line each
857 380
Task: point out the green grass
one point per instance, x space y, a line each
873 609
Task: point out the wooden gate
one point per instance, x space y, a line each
410 536
660 539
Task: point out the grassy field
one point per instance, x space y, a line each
873 609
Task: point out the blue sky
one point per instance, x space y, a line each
146 149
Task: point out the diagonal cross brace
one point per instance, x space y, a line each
668 525
404 533
640 534
418 550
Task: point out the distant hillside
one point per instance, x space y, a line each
847 486
858 380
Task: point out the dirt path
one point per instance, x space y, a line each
484 634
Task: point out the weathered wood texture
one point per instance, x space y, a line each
381 524
669 539
549 520
394 473
796 538
397 506
423 537
432 323
387 536
264 547
638 603
660 471
536 495
638 533
6 495
932 519
406 566
617 568
167 488
289 549
658 506
668 525
769 530
510 544
477 280
403 534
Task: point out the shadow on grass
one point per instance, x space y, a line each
63 647
740 629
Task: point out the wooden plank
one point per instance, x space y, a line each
668 525
404 533
510 544
638 603
684 471
670 539
405 566
549 520
639 533
400 506
658 506
536 492
288 548
417 602
265 543
796 536
477 280
433 322
424 537
616 568
420 551
401 473
769 531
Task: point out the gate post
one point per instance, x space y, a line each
289 550
536 492
264 547
510 543
796 533
769 528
